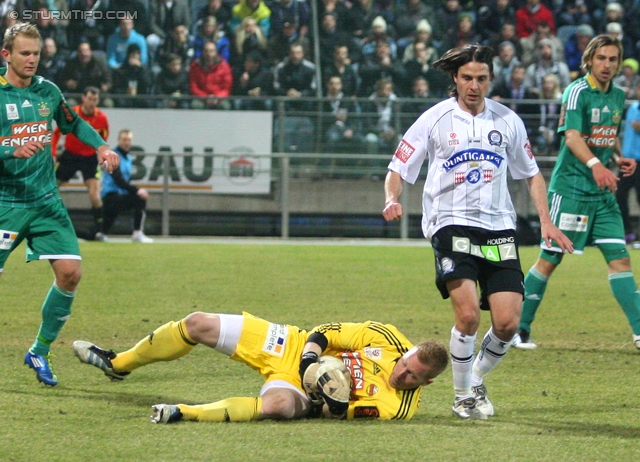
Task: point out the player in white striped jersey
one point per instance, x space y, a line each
470 142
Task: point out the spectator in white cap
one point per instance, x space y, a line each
628 46
422 34
574 49
408 16
613 12
380 31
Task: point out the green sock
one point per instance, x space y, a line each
626 292
55 312
534 286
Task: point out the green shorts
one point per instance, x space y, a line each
587 223
47 229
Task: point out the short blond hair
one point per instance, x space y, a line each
22 28
433 354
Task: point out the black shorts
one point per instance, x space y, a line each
489 258
68 164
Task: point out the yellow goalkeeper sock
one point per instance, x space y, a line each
227 410
166 343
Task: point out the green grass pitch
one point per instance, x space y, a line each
575 398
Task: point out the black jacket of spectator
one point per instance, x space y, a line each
348 75
168 83
162 20
95 73
372 70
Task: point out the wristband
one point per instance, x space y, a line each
307 360
592 162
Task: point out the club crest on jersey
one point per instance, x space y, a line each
453 139
373 353
617 116
495 138
404 151
12 111
472 155
595 115
43 109
473 176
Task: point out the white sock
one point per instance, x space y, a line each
491 353
136 233
462 348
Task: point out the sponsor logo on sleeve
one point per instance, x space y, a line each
276 339
404 151
30 131
572 222
7 238
527 148
69 115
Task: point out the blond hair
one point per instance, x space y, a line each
433 354
22 28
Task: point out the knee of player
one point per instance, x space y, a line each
68 279
469 316
201 325
280 404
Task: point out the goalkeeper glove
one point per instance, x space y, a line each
334 388
307 360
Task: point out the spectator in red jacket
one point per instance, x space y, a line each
532 13
210 76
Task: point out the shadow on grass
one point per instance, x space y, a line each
120 397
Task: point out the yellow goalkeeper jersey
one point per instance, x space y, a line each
371 350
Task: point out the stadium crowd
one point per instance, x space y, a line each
198 53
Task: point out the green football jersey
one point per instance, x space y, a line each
597 116
27 114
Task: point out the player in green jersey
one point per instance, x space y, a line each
581 192
30 205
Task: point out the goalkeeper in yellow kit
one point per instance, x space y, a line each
387 371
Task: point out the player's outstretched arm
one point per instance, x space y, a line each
549 231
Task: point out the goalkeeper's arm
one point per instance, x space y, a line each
316 344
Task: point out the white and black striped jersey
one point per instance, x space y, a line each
468 159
